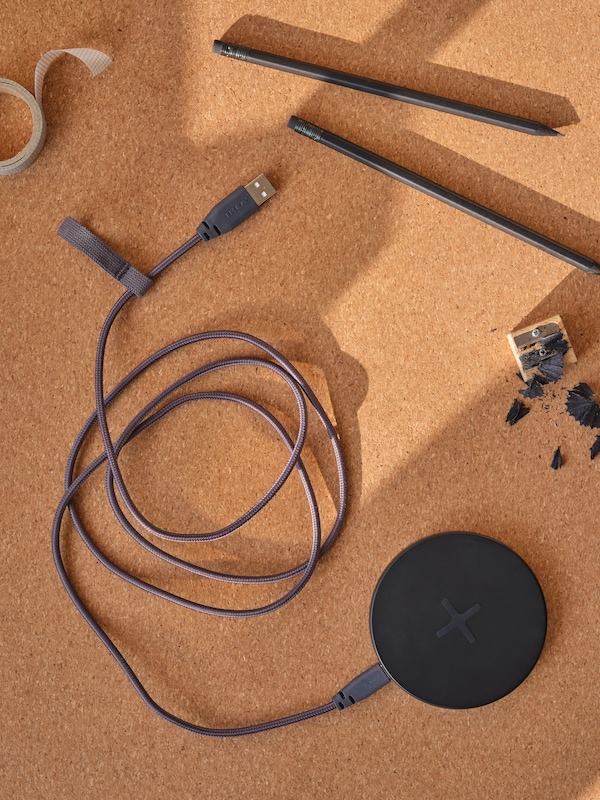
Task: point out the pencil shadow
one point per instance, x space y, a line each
495 191
398 54
400 48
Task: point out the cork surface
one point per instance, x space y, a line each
402 303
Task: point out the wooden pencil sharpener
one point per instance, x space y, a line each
538 347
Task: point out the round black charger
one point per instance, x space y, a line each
458 620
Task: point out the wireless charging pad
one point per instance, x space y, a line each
458 620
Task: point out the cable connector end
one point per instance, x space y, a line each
260 189
235 208
364 685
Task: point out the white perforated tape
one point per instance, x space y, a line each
93 59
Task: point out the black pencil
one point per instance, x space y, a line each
445 195
389 90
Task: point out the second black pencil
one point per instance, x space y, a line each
453 199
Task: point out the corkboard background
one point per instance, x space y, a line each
404 305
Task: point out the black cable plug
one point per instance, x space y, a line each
364 685
235 208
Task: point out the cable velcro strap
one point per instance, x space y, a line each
93 247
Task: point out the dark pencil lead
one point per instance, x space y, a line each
555 346
557 459
582 407
547 357
520 377
555 343
517 412
595 448
553 367
534 389
551 338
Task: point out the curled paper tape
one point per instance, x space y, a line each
93 59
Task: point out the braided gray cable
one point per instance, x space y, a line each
154 411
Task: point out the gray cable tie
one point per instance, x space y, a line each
90 245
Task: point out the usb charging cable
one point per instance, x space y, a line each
225 216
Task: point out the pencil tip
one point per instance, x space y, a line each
552 132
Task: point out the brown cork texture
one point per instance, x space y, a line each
401 303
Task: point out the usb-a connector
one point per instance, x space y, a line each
260 189
236 207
